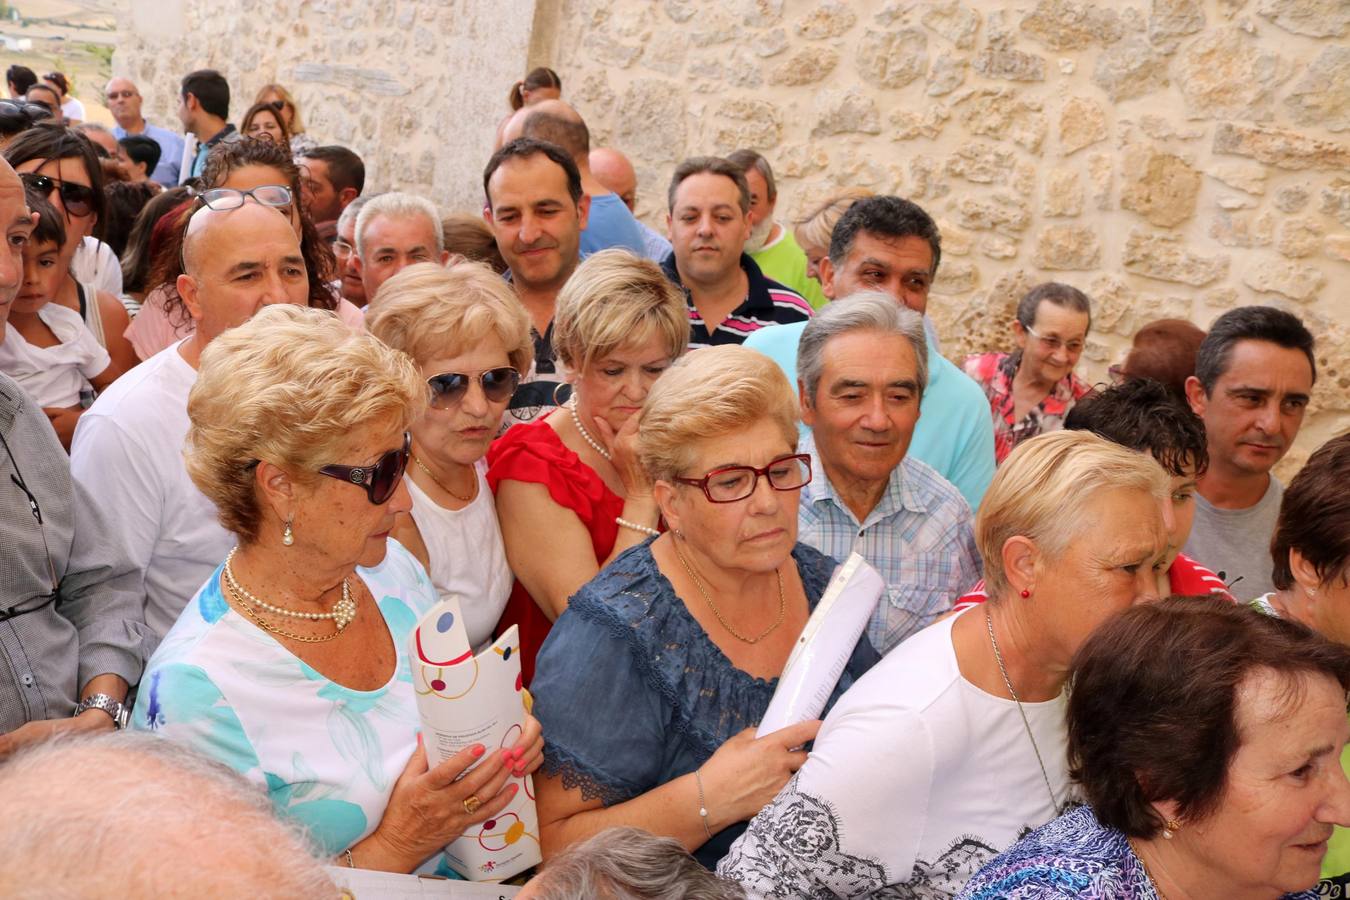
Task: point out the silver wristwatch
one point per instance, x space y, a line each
115 708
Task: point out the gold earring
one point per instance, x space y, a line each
288 536
1171 827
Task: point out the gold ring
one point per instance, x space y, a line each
471 804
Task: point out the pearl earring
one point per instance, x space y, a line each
1171 827
288 536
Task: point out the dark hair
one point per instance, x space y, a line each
523 148
141 149
56 97
1153 697
749 159
19 115
1143 415
471 238
1249 323
50 228
141 246
1062 295
543 76
126 199
211 90
712 165
1165 351
59 79
21 77
1315 516
272 110
887 217
345 169
570 134
48 142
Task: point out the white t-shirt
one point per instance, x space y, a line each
917 779
468 558
94 261
73 109
128 454
54 376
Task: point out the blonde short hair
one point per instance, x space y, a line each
1040 492
709 393
429 311
815 228
613 300
292 386
297 122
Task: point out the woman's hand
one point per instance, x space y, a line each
527 755
426 810
622 446
747 772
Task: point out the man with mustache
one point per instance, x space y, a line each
537 210
1253 376
729 298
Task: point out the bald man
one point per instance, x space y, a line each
72 635
128 446
611 222
124 102
612 169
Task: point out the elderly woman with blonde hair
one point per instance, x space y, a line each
470 339
571 494
290 663
814 230
663 665
1071 532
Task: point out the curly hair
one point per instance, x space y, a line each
1144 415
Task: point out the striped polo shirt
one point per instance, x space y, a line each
766 303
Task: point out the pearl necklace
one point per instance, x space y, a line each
1007 682
782 603
586 435
432 475
344 611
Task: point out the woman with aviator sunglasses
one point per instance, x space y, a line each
289 663
470 337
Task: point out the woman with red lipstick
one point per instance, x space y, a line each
1206 739
470 337
290 664
571 495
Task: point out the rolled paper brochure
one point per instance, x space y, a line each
825 645
467 699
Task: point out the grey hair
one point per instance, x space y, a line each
352 210
397 203
863 311
1065 296
154 819
629 864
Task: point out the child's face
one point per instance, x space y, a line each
42 271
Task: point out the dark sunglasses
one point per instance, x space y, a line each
78 199
379 480
20 115
448 390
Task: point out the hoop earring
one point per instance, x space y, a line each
571 394
288 536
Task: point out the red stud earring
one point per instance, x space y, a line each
1026 593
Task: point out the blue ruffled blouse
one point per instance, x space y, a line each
632 693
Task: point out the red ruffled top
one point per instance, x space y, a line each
535 454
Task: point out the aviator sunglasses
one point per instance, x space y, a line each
381 479
449 389
78 199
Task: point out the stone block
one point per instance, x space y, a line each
981 163
1224 74
947 74
1300 236
1067 248
1009 64
1023 180
1334 200
1082 123
911 125
846 112
1100 176
1160 129
1165 258
955 241
1292 199
1170 20
1071 25
1242 229
1281 147
1001 113
892 59
996 246
1063 194
610 52
355 78
1161 187
808 65
741 123
997 211
1314 18
1322 96
953 21
828 20
1248 177
1337 246
1130 68
955 277
1297 281
985 321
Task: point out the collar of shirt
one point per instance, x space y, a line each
899 495
1065 391
757 297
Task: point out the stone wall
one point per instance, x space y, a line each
1169 157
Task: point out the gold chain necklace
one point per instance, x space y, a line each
469 499
782 602
1148 873
267 626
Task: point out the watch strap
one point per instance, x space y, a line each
115 708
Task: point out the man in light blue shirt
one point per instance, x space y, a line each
613 170
124 102
892 245
862 365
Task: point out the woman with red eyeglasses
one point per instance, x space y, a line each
290 663
60 164
470 337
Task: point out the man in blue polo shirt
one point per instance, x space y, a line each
124 102
889 244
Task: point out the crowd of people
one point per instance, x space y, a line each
258 421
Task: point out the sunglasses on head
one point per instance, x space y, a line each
20 115
78 199
449 389
381 479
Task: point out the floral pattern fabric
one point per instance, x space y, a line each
994 373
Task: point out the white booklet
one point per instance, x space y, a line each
368 884
825 645
466 698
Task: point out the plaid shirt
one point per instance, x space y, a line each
994 372
920 537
